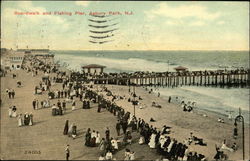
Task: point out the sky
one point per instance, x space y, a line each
152 25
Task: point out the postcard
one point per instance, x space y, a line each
124 80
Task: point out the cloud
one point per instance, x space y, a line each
183 11
174 22
197 23
82 3
221 22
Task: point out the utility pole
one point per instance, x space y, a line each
240 118
134 100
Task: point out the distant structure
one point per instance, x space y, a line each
181 69
41 54
12 60
35 52
93 69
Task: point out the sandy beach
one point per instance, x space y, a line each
46 135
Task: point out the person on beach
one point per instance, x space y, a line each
98 138
13 93
58 103
127 154
70 130
132 155
64 105
107 132
74 127
102 157
20 120
34 104
218 154
31 119
73 105
169 99
14 111
9 93
109 155
10 111
152 141
118 127
88 137
66 127
26 119
114 144
67 152
37 104
102 145
225 147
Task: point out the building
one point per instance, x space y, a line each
181 69
41 54
93 69
13 60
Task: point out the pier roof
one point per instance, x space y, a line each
180 68
93 66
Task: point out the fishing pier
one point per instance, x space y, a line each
221 78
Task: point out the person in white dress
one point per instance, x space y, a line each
31 119
70 130
73 105
93 134
10 111
98 138
109 155
152 141
162 140
102 157
14 113
20 120
225 147
141 140
132 155
127 154
114 144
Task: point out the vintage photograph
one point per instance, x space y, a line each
124 80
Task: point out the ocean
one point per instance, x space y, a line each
213 99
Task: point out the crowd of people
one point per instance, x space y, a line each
73 88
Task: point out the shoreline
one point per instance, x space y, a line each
218 113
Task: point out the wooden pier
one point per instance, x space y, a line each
221 78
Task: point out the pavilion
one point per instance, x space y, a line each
93 69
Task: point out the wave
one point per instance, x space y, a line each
234 98
131 64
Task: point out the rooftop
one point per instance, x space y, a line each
180 68
93 66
